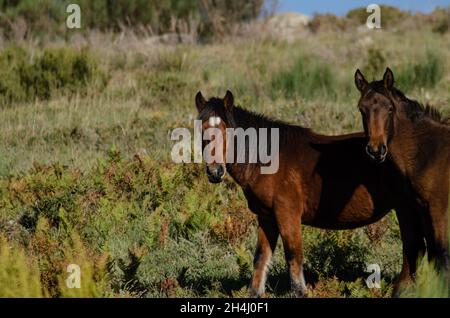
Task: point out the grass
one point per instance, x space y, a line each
427 72
86 176
306 80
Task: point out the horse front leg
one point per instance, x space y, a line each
267 241
437 229
289 224
435 210
413 242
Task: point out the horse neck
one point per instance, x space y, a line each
403 146
245 173
411 138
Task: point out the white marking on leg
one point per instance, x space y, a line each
262 283
298 283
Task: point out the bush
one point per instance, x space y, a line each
25 78
11 60
40 270
305 79
428 283
442 25
341 254
19 276
23 18
390 16
427 72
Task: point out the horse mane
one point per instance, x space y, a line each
414 111
240 117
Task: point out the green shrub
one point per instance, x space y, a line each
197 267
207 18
343 254
427 72
442 26
25 78
390 16
39 269
359 289
22 18
305 79
442 23
428 283
19 275
11 60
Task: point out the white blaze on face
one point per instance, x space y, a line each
214 121
213 151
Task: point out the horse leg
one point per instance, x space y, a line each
267 241
290 228
413 245
438 232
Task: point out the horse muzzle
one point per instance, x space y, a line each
215 173
377 153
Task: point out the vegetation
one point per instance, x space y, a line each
86 176
441 20
305 78
26 78
23 18
391 16
425 73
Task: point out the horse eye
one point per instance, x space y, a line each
391 109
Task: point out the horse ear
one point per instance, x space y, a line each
228 101
360 81
388 78
200 101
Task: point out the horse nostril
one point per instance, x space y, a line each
215 172
383 150
369 150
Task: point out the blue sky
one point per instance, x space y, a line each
341 7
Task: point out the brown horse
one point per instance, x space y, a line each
417 141
322 181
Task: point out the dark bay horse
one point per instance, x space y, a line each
322 181
416 139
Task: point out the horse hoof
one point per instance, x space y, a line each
300 291
254 293
301 294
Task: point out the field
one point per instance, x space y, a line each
86 176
